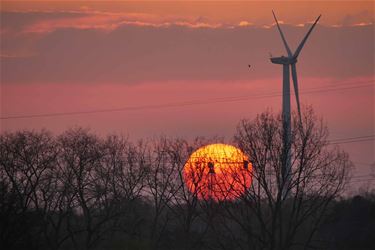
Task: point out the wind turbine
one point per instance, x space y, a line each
289 61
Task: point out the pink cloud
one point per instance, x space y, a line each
105 22
110 21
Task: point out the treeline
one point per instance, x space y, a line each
80 191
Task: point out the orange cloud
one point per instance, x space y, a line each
245 23
259 12
363 24
108 17
110 21
93 21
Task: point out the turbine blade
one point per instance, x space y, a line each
282 36
298 50
295 83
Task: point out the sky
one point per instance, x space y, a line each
178 68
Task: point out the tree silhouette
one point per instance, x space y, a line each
319 174
81 191
27 163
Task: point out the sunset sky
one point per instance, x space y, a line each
181 68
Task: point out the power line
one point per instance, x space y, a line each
363 140
365 164
363 180
362 176
328 88
352 139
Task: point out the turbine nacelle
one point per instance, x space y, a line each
283 60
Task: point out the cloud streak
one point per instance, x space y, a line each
48 21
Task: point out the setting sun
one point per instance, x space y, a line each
218 172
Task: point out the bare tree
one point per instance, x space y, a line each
27 161
91 183
181 188
185 204
265 217
161 187
59 198
124 177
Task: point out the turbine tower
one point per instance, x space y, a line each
289 61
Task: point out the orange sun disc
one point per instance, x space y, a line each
218 172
